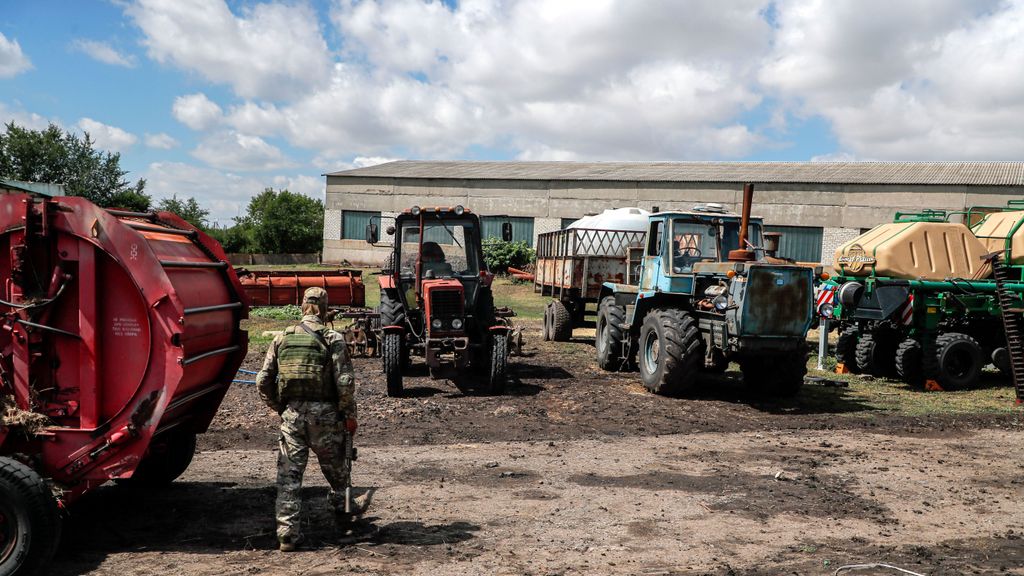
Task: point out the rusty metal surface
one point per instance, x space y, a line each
777 302
281 288
582 259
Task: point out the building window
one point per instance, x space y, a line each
800 243
522 228
353 223
567 221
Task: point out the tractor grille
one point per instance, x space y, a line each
446 303
778 301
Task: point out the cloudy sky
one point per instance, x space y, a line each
221 99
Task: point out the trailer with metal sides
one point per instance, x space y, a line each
573 265
119 336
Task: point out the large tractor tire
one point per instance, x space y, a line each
561 322
392 356
497 365
166 460
391 311
876 352
846 348
909 362
776 375
959 360
670 351
609 337
29 520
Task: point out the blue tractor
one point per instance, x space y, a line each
709 293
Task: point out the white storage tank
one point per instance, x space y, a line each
597 235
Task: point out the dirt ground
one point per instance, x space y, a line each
578 471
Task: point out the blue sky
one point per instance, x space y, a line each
219 100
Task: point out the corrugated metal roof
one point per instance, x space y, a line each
40 188
906 173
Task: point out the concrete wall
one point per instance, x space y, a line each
839 209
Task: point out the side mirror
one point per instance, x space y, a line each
390 230
506 231
372 233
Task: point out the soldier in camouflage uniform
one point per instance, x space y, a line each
307 378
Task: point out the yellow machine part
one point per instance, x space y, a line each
914 251
994 229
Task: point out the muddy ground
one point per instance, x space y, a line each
578 471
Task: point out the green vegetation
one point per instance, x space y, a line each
289 312
58 157
276 222
189 210
500 255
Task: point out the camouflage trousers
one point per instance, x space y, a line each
304 426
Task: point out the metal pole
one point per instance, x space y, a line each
822 342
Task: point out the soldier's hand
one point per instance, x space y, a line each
351 425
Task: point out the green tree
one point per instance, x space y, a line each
189 210
59 157
282 222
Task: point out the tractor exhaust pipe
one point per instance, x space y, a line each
743 254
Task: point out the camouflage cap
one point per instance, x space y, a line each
315 295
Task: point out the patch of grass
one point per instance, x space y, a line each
520 297
289 312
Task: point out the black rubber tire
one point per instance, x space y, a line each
876 352
846 348
165 460
778 375
909 365
959 360
679 353
609 335
1001 360
561 322
391 311
31 520
391 353
497 366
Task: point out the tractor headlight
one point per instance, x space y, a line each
721 302
436 324
826 310
415 211
457 324
459 210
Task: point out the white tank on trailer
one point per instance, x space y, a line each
587 243
633 219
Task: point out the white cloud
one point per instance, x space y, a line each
235 151
12 60
932 80
106 137
103 52
270 50
196 111
23 118
161 140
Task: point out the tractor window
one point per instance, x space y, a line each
691 243
449 248
731 236
654 238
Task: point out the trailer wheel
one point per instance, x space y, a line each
561 322
846 348
670 351
392 356
960 360
546 330
610 317
777 376
29 520
497 365
909 362
876 352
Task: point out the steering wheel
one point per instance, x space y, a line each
691 252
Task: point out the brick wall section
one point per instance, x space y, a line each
332 224
832 238
542 225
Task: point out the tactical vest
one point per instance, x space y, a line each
304 368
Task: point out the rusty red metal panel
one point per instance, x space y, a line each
279 288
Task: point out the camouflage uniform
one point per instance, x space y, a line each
314 392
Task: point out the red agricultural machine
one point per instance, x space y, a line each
119 336
436 300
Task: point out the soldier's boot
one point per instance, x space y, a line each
289 543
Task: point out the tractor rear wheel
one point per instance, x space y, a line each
165 460
670 351
497 366
609 337
846 348
392 356
876 352
561 322
909 364
29 520
960 360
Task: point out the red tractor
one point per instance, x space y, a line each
436 300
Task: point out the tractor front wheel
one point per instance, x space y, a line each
610 317
393 360
497 367
29 520
670 351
